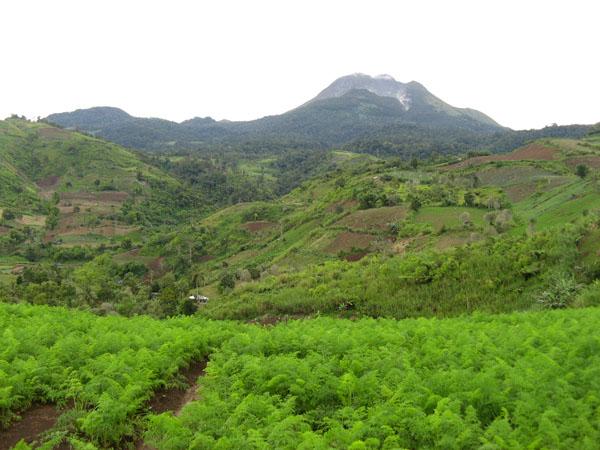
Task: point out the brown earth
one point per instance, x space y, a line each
456 240
373 219
156 267
536 152
74 230
174 399
355 256
48 182
105 196
346 241
53 133
589 160
4 230
18 269
103 230
255 227
112 196
345 205
41 418
36 221
33 423
131 253
521 191
518 192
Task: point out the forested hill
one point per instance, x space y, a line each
356 110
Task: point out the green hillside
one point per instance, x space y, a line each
64 161
73 189
420 300
298 255
424 233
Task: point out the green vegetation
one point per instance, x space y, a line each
516 381
487 233
519 380
105 368
499 275
503 247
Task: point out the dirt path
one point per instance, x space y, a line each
33 423
41 418
174 399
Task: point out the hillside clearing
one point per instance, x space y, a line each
373 219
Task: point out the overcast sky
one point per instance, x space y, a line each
525 63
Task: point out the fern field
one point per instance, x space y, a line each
524 380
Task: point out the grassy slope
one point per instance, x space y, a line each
91 177
312 217
38 151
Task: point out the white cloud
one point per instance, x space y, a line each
526 64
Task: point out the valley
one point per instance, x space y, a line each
374 269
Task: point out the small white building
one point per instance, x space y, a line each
199 298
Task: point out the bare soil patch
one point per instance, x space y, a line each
102 230
174 399
373 219
456 240
48 182
355 256
518 192
4 230
53 133
112 196
346 241
345 205
590 161
131 253
33 423
535 152
104 196
69 228
156 268
36 221
505 176
258 226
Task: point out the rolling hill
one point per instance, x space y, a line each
76 189
371 219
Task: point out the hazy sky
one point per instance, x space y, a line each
525 63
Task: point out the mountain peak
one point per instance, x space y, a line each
384 76
383 85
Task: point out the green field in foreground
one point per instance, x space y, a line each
522 380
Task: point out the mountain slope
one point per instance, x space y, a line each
38 152
418 103
349 108
80 190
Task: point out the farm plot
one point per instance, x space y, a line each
375 219
448 216
532 152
